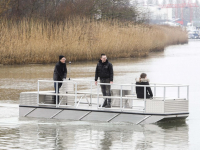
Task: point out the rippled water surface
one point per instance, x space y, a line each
177 64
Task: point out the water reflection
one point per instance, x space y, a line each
56 134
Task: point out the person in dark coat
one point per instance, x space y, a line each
140 90
104 70
60 73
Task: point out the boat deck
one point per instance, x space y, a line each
86 105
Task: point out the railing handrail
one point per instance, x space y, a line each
82 80
55 81
178 85
165 83
151 84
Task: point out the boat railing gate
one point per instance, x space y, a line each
56 92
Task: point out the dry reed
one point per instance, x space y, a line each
79 39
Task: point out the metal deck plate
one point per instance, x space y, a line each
128 118
71 114
43 113
24 111
99 116
152 119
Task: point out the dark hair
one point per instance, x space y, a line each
103 55
61 56
142 75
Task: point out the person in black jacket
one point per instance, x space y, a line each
104 70
60 73
140 90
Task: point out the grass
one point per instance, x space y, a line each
80 39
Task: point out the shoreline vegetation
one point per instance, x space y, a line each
37 32
35 41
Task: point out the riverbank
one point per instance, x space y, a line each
34 41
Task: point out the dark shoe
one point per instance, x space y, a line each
101 105
108 106
105 103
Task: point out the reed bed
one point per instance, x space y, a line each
81 39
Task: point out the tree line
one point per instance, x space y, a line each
58 10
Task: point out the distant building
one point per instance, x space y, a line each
154 13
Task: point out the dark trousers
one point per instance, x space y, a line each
105 89
59 85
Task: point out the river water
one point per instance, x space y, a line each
177 64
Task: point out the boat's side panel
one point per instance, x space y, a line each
96 115
23 111
28 98
154 106
71 114
99 116
43 113
128 118
152 119
176 106
167 106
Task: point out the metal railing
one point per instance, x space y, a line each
56 92
91 88
145 89
120 97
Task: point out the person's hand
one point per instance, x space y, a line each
63 79
111 82
95 82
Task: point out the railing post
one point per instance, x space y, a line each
75 93
145 88
164 93
38 92
121 96
91 93
154 89
188 92
178 91
57 93
97 95
132 88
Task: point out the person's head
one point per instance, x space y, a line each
103 58
143 75
62 59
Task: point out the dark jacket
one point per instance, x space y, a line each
104 70
140 90
60 71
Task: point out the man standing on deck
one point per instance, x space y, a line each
60 74
104 70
